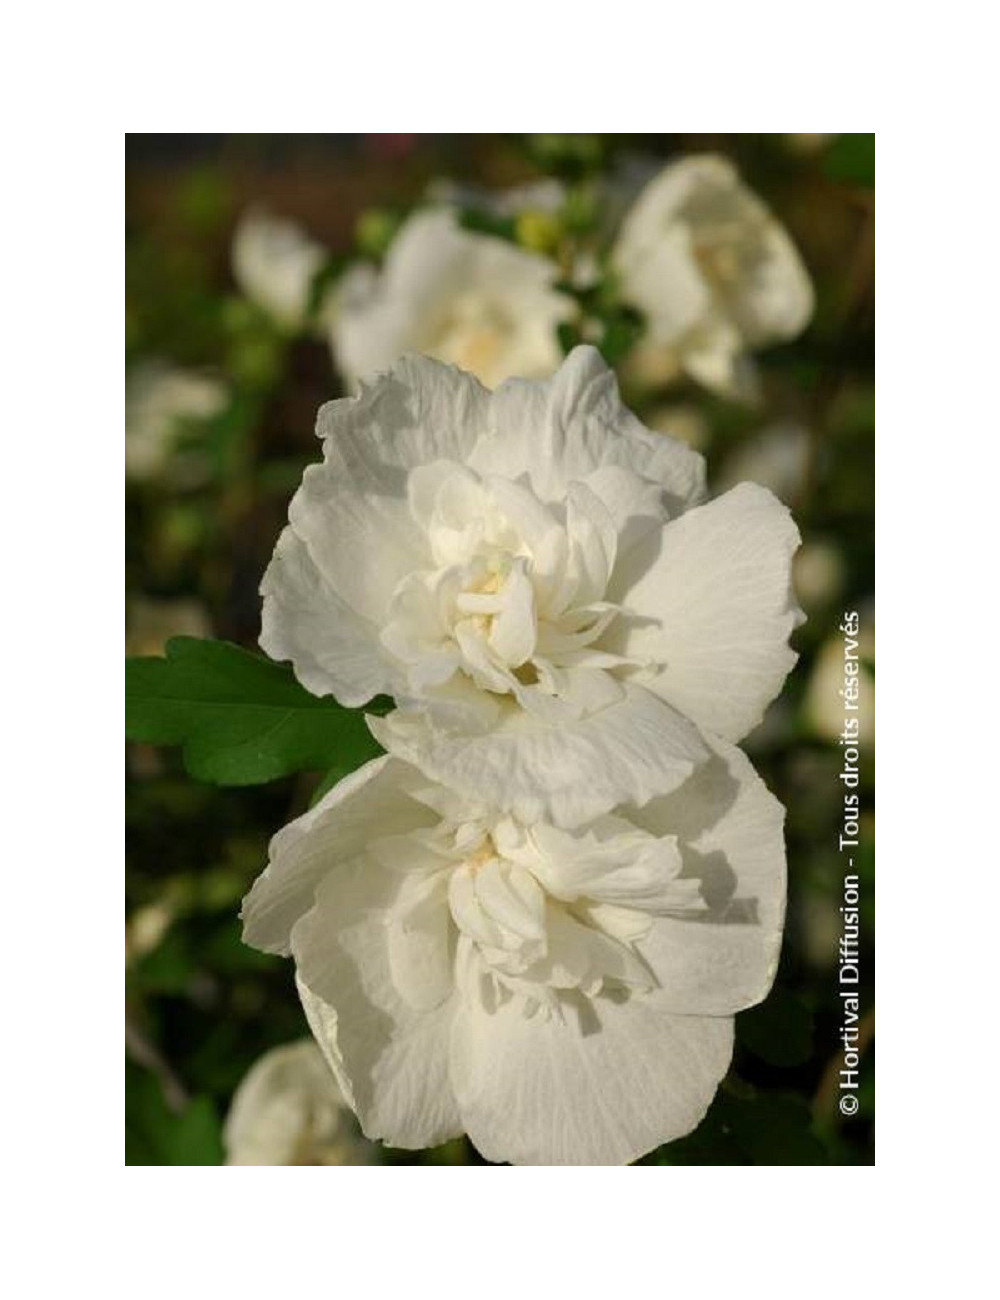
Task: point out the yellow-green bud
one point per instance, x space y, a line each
375 230
539 231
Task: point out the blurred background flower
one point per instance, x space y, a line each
471 299
163 403
288 1110
275 264
244 255
714 272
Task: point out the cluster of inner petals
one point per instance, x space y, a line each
512 596
517 911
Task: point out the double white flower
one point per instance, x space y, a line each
533 921
564 997
537 581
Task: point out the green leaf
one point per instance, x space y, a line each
326 783
240 718
779 1031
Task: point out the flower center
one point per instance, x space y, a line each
515 604
472 335
536 909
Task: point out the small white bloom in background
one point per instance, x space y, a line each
288 1110
776 457
453 294
145 930
275 263
824 704
562 996
160 400
533 577
714 273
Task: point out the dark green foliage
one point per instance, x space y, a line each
851 158
240 718
754 1129
156 1135
779 1031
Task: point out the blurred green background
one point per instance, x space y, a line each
207 496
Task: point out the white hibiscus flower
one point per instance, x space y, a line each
288 1110
714 273
532 575
564 997
275 263
453 294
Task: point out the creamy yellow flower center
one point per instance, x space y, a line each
534 909
473 335
514 602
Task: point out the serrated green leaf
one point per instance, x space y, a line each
779 1031
240 718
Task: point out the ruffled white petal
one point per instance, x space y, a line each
714 608
730 829
417 411
352 536
623 866
336 830
565 773
601 1084
390 1056
362 539
420 947
563 429
634 503
305 621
